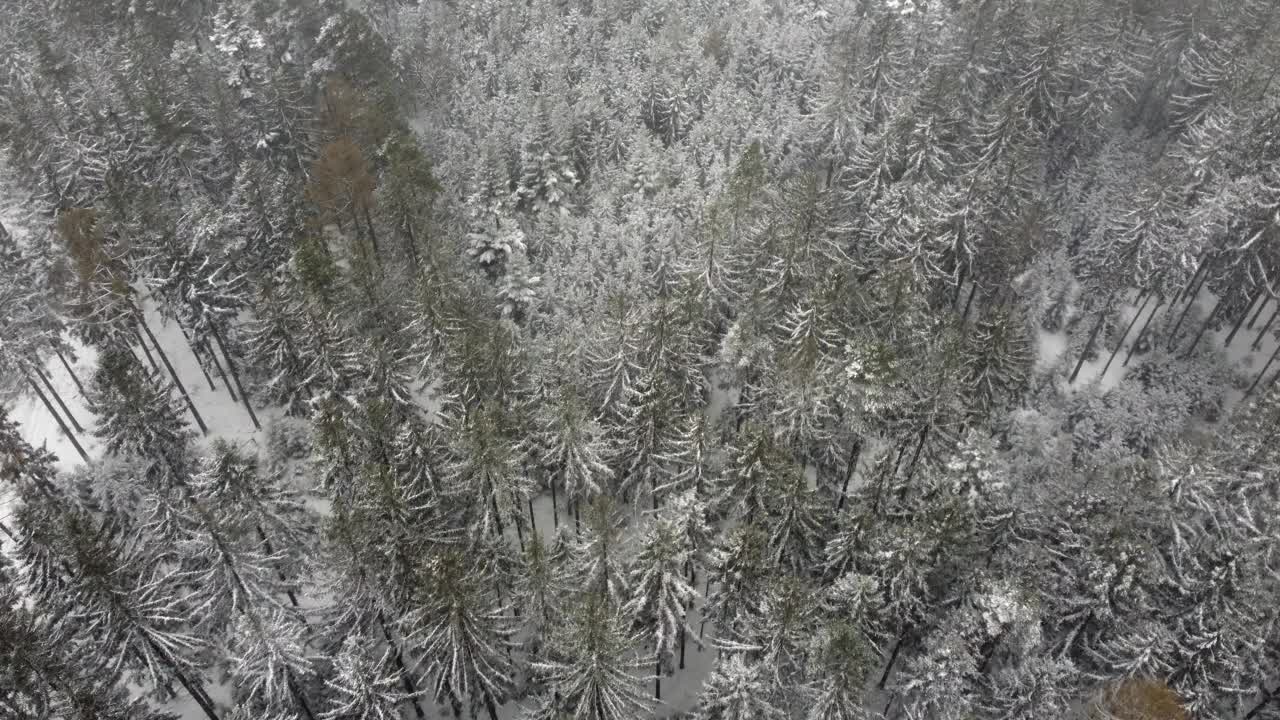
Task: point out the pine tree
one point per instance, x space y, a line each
136 415
661 594
591 675
364 685
462 634
737 690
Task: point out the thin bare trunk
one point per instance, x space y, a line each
53 392
177 381
222 374
61 424
1213 315
1257 341
1141 333
67 366
1243 315
854 454
1263 306
1120 342
155 367
1258 379
196 351
1088 344
235 375
555 509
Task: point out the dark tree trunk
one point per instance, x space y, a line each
555 504
1120 342
1201 266
67 366
373 238
1173 334
61 424
490 706
1088 344
193 688
1263 306
222 374
577 517
266 545
1257 341
497 514
893 659
235 375
1213 315
1258 379
53 392
405 681
706 592
533 527
195 351
973 290
1141 333
854 454
911 469
1243 315
155 367
177 381
955 294
517 520
657 677
683 641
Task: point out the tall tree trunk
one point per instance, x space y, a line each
1120 342
235 375
517 519
911 469
61 425
1258 379
373 237
67 366
195 351
1213 315
533 527
657 677
893 659
266 545
955 295
155 367
222 374
497 514
854 454
683 639
1243 315
706 593
555 507
577 517
53 392
1257 341
973 290
1262 306
177 381
398 657
193 687
1142 333
490 706
1201 266
1173 334
1088 344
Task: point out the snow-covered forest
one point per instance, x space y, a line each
624 359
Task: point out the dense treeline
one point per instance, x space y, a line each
587 335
